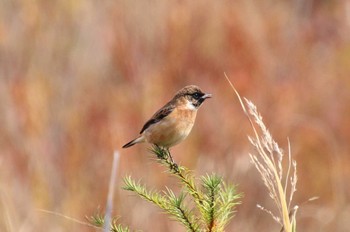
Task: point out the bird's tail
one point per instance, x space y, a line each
133 142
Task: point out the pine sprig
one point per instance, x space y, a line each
180 211
152 196
206 206
214 201
228 199
168 201
183 174
98 220
219 202
119 228
211 187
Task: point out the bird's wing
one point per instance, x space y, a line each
159 115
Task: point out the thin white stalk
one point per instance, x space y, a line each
109 205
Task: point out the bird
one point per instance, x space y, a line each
172 123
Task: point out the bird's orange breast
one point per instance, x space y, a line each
172 129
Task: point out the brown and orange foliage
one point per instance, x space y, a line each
79 78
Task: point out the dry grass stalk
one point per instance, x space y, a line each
268 161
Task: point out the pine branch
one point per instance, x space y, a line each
99 221
220 202
168 202
180 211
227 201
213 204
179 172
211 185
152 196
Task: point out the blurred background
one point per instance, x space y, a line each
78 79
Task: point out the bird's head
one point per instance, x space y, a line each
192 96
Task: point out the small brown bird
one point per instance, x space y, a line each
174 121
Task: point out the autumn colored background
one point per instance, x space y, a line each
79 78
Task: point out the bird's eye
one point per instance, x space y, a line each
196 96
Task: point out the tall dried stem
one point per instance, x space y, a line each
268 160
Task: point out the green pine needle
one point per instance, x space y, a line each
219 202
98 220
204 207
118 227
227 201
152 196
211 185
214 202
168 201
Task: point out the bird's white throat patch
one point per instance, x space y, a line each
190 106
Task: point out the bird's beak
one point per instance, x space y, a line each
205 96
